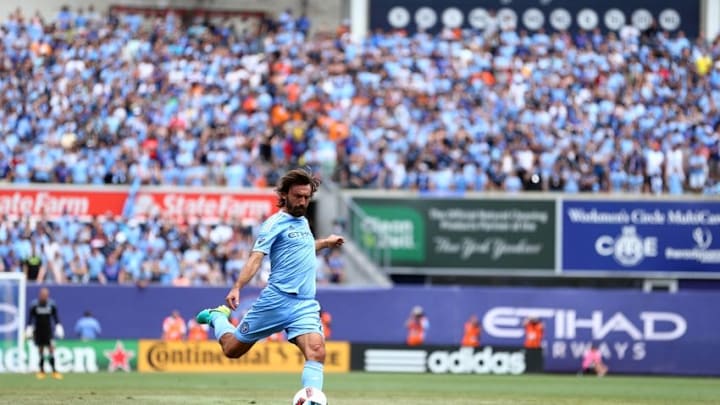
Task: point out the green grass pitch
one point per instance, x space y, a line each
356 389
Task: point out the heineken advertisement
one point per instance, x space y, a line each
73 356
449 233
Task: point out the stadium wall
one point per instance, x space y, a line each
637 332
325 15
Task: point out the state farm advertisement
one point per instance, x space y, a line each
217 205
176 203
57 202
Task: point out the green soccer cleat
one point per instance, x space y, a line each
205 316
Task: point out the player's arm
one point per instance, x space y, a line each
30 328
41 273
329 242
247 273
59 330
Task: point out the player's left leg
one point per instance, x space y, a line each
218 318
305 330
51 350
267 316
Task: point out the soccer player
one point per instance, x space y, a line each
43 313
288 302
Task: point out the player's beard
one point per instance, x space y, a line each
296 210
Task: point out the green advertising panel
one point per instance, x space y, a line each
402 229
73 356
439 233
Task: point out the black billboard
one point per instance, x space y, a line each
445 359
531 15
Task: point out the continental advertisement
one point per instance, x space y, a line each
73 356
455 233
160 356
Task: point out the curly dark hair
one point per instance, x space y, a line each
295 177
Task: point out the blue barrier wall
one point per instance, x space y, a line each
637 332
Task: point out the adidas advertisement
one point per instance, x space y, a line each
445 359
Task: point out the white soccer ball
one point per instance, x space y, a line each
309 396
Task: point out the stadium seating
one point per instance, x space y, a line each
91 99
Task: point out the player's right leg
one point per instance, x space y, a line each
41 361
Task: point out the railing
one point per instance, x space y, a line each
359 226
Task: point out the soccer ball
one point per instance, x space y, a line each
309 396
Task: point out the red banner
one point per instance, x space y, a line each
56 202
208 206
53 202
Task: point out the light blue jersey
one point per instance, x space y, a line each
288 302
291 247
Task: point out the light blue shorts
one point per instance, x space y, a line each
275 311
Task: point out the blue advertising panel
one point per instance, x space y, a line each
532 15
647 236
657 333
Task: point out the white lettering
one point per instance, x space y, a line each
43 203
85 360
605 245
506 322
578 349
63 359
650 319
639 352
466 361
77 360
573 324
620 349
604 350
692 217
558 349
643 217
594 216
560 324
617 323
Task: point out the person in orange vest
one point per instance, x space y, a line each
417 325
196 331
534 332
174 327
326 320
471 335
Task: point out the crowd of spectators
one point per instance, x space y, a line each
159 250
92 99
87 98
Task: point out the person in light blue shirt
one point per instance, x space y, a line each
87 327
288 302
